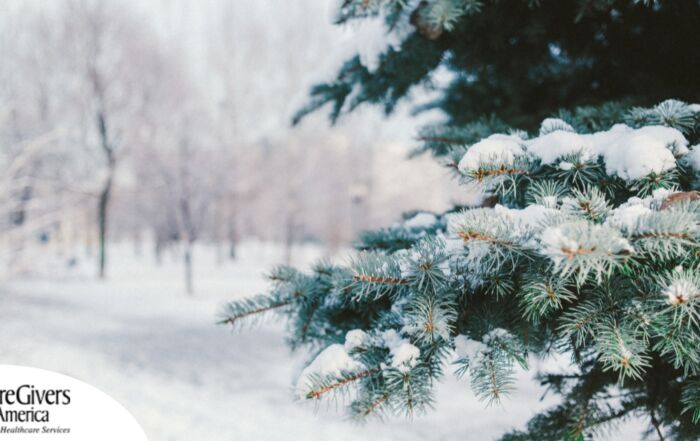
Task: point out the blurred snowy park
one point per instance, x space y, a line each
160 354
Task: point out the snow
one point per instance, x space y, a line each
628 153
625 217
672 138
552 146
554 240
468 348
627 214
680 291
498 333
355 338
526 218
404 354
549 201
636 156
635 153
552 124
421 220
158 352
496 148
558 245
403 258
472 349
332 361
659 195
565 165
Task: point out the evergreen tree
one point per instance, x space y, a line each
522 60
587 246
592 253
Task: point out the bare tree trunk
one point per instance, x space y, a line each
226 237
105 193
189 232
102 210
189 279
89 234
232 249
158 250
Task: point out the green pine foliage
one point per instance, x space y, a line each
581 259
523 60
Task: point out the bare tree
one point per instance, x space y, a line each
191 199
187 186
40 174
102 117
107 44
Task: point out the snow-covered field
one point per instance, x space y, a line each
137 337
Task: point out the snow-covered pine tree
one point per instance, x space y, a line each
592 252
586 248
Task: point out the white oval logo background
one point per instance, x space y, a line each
91 414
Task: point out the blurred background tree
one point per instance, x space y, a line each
166 124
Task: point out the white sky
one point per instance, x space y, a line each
189 24
274 86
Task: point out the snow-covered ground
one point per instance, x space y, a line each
158 352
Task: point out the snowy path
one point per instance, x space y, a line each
159 353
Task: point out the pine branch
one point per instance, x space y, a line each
328 386
368 278
542 296
376 275
375 405
258 306
237 316
410 390
374 400
469 235
622 350
482 173
691 399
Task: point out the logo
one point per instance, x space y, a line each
26 397
41 405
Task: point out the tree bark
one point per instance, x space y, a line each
158 251
105 193
189 280
102 212
190 236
